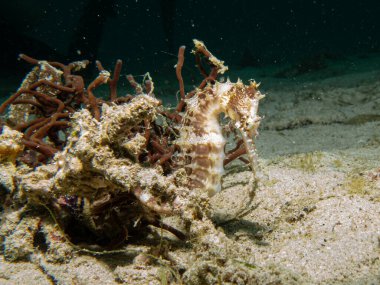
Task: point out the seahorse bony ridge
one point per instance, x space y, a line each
201 135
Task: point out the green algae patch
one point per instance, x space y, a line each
307 162
361 185
356 185
362 119
271 183
337 163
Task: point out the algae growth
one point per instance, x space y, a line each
95 176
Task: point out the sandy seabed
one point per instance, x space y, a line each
315 217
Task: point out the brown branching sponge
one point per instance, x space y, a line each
110 168
50 95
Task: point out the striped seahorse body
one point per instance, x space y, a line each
201 139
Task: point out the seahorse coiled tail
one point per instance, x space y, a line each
201 139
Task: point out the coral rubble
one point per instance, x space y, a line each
107 170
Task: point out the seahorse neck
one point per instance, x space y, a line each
202 140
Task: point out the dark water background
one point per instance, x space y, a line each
147 34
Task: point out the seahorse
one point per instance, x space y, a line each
201 135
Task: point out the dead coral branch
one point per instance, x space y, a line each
49 95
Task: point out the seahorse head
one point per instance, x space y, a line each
241 106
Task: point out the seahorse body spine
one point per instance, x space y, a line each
201 138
